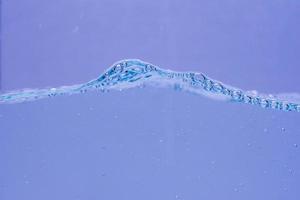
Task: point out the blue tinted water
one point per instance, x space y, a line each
132 72
147 143
150 143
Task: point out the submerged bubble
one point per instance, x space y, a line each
198 78
291 107
118 68
217 87
177 87
264 103
296 145
226 91
208 84
247 99
237 95
149 68
275 104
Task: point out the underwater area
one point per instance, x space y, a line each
150 100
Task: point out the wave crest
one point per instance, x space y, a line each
133 72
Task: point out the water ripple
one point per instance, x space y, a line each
133 72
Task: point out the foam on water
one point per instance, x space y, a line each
133 72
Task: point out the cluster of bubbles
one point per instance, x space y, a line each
130 71
134 72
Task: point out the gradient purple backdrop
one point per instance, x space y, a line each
149 143
248 44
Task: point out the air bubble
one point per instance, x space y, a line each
298 108
256 101
264 103
237 95
291 107
226 91
247 99
217 87
198 78
208 84
149 68
170 75
177 87
274 104
118 68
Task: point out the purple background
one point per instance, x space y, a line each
249 44
149 143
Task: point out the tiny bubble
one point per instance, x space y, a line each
296 145
103 147
75 29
